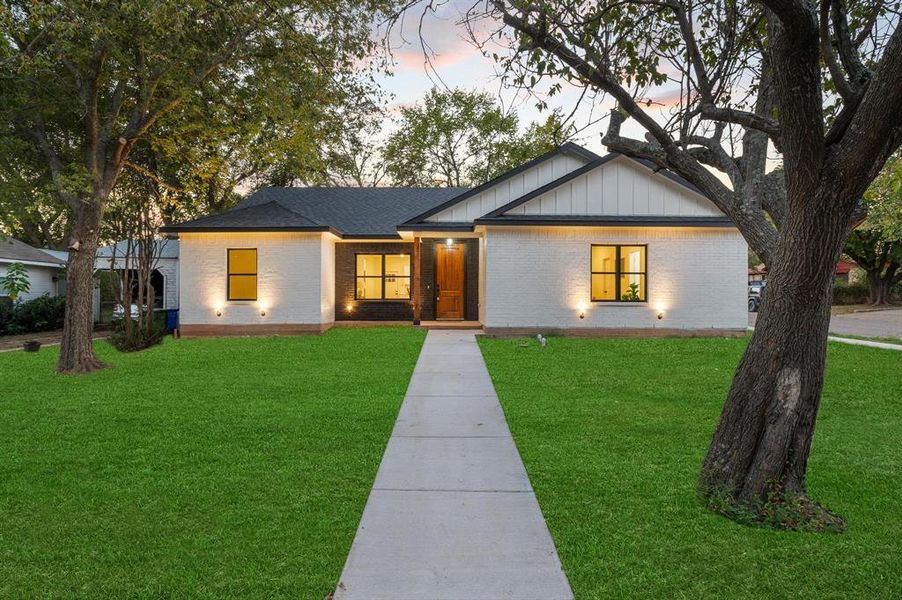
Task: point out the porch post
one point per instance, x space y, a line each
416 280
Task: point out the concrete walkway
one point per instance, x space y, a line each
452 514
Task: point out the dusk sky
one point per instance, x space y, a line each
458 63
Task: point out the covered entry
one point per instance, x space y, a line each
450 282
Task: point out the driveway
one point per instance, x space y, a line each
878 323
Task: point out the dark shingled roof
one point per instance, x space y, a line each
350 212
12 250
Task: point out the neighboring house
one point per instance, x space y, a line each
568 242
842 271
45 272
165 276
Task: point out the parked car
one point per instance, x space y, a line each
756 288
119 312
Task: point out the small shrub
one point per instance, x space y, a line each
44 313
138 338
779 510
850 293
7 325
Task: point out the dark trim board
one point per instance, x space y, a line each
207 330
618 221
613 332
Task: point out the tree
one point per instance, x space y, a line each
85 83
15 282
460 138
876 245
820 82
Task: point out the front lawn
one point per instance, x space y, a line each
613 433
219 467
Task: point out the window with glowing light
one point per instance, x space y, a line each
619 273
242 273
382 277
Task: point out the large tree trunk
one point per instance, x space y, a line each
760 449
878 288
77 347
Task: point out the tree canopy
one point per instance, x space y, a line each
463 138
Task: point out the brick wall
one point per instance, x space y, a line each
289 273
345 274
537 277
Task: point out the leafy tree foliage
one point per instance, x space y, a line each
876 245
460 138
93 88
820 83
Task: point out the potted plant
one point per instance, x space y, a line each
31 346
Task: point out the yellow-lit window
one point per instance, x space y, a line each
242 274
619 273
383 277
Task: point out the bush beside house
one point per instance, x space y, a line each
44 313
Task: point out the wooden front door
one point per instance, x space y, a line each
449 281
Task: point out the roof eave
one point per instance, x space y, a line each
310 229
609 222
436 226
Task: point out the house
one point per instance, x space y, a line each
165 275
842 271
45 271
570 242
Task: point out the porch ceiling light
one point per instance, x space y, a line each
449 242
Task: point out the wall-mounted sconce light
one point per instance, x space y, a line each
262 312
660 315
218 312
349 307
582 310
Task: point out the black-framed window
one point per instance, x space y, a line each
242 274
382 277
619 273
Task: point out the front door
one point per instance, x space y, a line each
449 281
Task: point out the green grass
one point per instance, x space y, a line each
613 432
220 467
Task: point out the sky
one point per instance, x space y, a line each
458 63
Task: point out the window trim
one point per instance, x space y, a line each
383 276
229 275
617 273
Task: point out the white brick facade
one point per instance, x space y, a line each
539 277
295 279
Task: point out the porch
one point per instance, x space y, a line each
430 281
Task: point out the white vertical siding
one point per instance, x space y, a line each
511 189
618 188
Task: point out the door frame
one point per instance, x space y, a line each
463 287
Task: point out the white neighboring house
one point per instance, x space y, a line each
45 271
165 277
570 242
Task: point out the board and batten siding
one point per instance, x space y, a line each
539 277
295 274
509 189
618 188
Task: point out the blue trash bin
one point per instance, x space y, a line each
172 319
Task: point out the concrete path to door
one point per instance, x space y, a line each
452 514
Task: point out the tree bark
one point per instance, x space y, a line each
763 439
77 346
